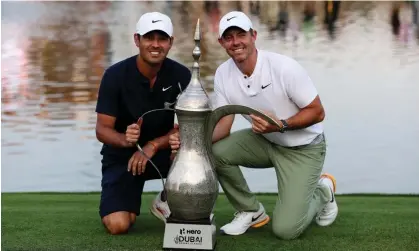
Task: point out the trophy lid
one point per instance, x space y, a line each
194 97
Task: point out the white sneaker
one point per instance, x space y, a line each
330 211
160 208
245 220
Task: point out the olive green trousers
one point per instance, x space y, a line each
298 170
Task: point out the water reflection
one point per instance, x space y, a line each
54 54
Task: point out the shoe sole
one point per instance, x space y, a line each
157 214
332 178
262 223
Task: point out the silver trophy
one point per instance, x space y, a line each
191 184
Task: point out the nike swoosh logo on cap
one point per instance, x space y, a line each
155 21
228 19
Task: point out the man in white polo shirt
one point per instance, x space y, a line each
278 86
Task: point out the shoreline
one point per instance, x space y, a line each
221 193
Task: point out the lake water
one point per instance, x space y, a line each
54 53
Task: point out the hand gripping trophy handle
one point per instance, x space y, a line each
223 111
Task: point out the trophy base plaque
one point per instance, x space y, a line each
191 235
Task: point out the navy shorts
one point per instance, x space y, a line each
122 191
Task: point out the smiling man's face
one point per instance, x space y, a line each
154 46
238 43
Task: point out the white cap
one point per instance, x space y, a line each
234 18
154 21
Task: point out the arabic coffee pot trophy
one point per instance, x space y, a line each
191 185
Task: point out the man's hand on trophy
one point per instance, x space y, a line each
174 141
174 138
261 126
133 132
138 161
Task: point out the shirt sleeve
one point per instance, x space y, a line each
108 96
299 86
219 94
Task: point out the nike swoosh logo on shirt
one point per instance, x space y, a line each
165 89
263 87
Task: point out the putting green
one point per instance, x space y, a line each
71 222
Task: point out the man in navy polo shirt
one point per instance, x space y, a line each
129 89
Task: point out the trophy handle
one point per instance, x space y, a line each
141 149
220 112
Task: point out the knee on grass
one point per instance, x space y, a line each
118 223
287 231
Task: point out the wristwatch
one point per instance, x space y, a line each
284 126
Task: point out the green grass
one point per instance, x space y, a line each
71 222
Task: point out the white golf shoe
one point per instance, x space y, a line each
328 214
160 209
244 220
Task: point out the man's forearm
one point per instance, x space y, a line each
111 137
305 118
223 128
219 134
